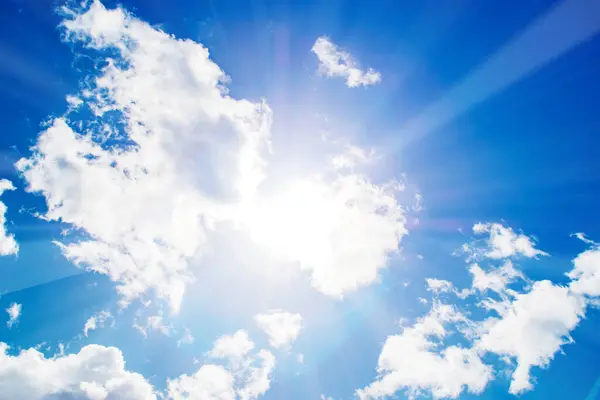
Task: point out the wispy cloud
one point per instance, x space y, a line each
335 62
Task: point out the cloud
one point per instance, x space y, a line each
246 376
187 338
438 285
281 327
496 279
532 329
585 274
14 312
341 228
234 348
95 372
8 244
525 325
97 321
413 362
146 193
337 62
503 242
353 156
153 323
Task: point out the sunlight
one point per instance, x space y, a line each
341 228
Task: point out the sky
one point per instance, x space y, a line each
321 200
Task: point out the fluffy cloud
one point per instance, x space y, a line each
585 274
234 347
246 376
334 61
341 228
145 193
438 285
532 328
496 279
412 361
526 328
503 242
96 321
8 244
14 312
281 327
95 373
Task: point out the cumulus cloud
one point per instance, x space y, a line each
413 362
246 376
532 328
146 193
98 372
503 242
585 274
281 327
341 228
526 326
14 312
96 321
8 244
496 279
95 372
439 285
334 61
234 347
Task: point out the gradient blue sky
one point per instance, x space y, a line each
489 111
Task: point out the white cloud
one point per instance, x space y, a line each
412 361
526 328
532 329
8 244
208 383
334 61
503 242
246 377
186 151
340 228
234 348
496 279
153 323
94 373
438 285
14 312
585 274
353 156
96 321
281 327
187 338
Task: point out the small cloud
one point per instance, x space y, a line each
281 327
153 323
334 61
583 238
438 285
14 312
502 242
8 244
97 321
186 339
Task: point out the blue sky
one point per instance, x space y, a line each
299 200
